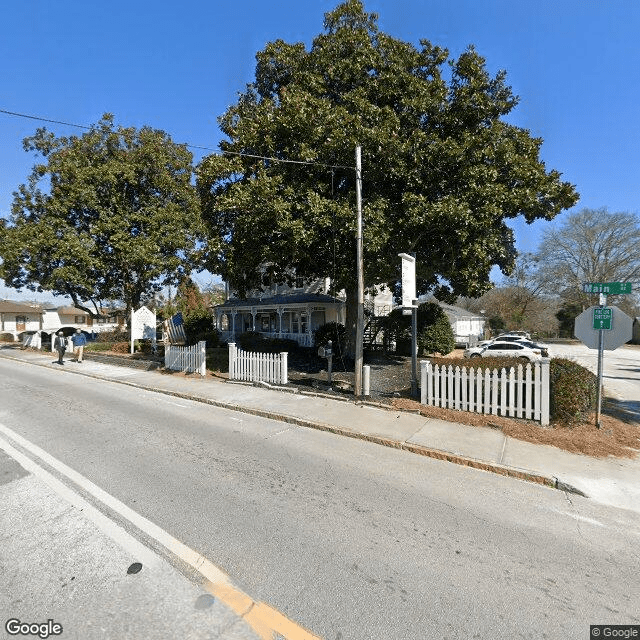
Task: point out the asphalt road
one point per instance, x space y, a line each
346 538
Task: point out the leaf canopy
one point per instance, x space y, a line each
442 171
109 215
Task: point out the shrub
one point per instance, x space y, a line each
572 391
253 341
6 337
333 331
98 346
437 337
218 359
435 334
210 336
119 334
121 347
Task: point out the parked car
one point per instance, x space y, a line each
523 335
544 350
505 348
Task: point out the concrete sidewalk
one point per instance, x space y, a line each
611 481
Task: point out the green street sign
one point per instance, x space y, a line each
602 317
609 288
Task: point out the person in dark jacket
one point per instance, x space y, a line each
79 340
60 346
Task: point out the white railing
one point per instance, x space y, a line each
257 367
189 359
303 339
519 392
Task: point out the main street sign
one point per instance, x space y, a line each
619 334
602 318
608 288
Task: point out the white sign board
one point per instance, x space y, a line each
621 329
143 324
408 280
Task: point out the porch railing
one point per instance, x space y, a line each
303 339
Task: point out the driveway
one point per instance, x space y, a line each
621 370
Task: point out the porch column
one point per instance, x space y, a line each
254 313
280 311
233 324
309 334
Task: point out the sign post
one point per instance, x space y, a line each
606 327
410 306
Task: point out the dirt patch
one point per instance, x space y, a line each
616 437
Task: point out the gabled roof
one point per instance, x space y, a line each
13 306
279 300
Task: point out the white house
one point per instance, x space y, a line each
56 318
281 312
468 328
18 317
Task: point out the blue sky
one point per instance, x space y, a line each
178 66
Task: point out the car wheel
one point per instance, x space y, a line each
474 355
523 358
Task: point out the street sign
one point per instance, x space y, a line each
602 318
610 288
620 332
408 280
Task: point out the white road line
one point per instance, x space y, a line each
264 620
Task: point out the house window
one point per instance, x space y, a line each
79 320
21 323
299 282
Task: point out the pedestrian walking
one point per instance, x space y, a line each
60 345
79 340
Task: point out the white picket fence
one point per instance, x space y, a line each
257 367
520 392
189 359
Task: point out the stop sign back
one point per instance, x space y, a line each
621 329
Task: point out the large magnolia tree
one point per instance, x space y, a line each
442 171
108 215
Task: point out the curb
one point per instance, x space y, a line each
437 454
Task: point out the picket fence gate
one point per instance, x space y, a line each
257 367
189 359
519 392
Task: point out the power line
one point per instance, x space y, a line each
190 146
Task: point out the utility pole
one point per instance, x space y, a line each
360 272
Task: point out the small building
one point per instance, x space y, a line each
17 318
468 328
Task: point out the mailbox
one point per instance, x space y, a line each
325 352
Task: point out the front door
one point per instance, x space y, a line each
21 323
